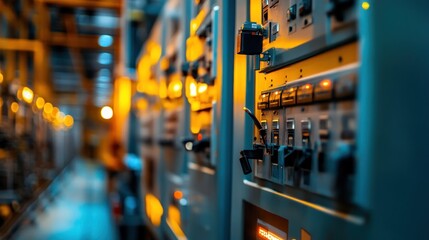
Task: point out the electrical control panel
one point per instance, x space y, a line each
305 109
310 127
202 83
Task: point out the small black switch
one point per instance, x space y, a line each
305 162
256 153
291 157
245 165
346 168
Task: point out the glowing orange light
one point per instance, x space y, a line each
202 87
175 87
199 137
27 94
291 90
194 48
193 89
155 51
40 102
1 77
326 83
163 88
68 121
266 234
178 195
14 107
54 112
19 93
140 86
263 95
48 108
307 86
154 209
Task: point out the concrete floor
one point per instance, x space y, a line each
79 211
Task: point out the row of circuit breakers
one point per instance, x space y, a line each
307 126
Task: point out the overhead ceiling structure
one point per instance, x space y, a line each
83 39
75 44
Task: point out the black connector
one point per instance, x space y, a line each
245 165
262 131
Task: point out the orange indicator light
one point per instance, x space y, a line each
266 234
326 83
178 195
199 137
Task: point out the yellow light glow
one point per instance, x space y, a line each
143 68
121 106
277 93
19 93
45 115
5 210
106 112
165 64
197 21
163 88
153 87
154 209
175 87
326 83
140 86
194 26
40 102
195 105
48 108
1 102
155 52
195 125
60 117
194 48
193 89
174 222
141 104
365 5
27 95
54 112
14 107
202 87
307 86
68 121
266 234
1 77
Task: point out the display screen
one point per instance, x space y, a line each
265 231
260 224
